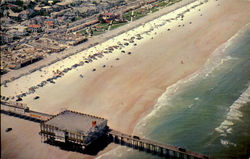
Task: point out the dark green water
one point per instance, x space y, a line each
197 116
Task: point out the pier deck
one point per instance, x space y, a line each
115 136
21 110
152 146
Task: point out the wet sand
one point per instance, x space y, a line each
126 89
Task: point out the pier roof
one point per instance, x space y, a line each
74 121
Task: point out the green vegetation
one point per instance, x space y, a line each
103 26
18 2
97 33
117 25
22 6
174 1
55 1
162 4
17 9
45 3
31 5
99 29
171 2
43 13
154 9
83 32
78 18
127 15
100 18
138 13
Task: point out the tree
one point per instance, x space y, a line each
100 18
19 3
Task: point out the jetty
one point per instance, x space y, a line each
81 129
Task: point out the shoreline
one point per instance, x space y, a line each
86 55
214 60
127 91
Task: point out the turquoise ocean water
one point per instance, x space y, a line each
208 112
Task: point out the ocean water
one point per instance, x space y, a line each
209 111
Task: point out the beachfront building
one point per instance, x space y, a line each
107 17
13 15
49 24
34 28
63 5
5 38
73 127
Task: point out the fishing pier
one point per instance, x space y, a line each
153 147
74 128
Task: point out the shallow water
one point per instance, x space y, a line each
209 111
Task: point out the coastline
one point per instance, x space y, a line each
127 91
214 61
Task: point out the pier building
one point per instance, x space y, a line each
73 127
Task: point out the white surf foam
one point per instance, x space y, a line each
216 59
234 114
227 143
114 153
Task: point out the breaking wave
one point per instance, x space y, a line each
234 113
226 143
215 61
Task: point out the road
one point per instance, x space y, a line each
93 40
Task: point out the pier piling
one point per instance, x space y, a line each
154 147
134 142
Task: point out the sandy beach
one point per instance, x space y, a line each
123 84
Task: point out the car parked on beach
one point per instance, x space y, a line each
8 129
181 149
136 137
36 97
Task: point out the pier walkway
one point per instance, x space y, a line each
22 111
135 142
152 146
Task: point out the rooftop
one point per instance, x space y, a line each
74 121
63 3
107 14
13 14
34 26
49 23
46 7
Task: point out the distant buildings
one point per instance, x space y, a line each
24 15
107 17
13 15
49 24
6 38
87 10
47 9
34 28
